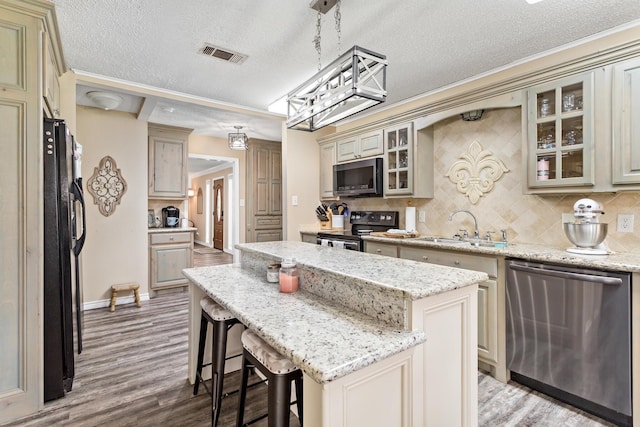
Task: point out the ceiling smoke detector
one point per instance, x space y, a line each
222 54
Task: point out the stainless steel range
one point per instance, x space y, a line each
362 223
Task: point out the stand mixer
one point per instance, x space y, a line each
586 232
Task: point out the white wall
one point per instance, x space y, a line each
116 249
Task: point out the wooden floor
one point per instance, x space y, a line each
133 372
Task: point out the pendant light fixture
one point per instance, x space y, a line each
355 81
238 140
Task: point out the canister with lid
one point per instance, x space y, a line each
288 276
273 272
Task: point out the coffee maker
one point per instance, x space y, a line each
170 216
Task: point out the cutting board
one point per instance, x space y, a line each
394 235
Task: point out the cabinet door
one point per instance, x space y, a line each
398 165
167 262
275 182
261 181
327 160
560 133
268 235
347 149
371 144
51 85
626 122
168 167
487 320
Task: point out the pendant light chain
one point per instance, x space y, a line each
316 39
337 16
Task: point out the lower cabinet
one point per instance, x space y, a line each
169 253
491 340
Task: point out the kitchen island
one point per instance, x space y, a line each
357 328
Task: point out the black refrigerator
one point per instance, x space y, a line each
64 234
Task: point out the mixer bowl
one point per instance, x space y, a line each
585 235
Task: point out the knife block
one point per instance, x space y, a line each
326 225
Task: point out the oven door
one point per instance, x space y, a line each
340 243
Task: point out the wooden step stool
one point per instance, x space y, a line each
121 288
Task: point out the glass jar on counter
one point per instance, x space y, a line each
288 276
273 273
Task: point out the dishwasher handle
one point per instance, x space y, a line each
568 275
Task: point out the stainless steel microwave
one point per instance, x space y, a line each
362 178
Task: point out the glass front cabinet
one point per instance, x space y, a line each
398 171
560 133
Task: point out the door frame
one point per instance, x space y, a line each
232 199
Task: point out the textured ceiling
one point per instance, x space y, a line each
429 44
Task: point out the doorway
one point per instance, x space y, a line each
218 213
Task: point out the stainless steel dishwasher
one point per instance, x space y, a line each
569 335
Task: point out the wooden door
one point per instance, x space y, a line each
218 214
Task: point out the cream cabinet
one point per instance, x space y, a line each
626 122
408 162
168 153
264 184
491 349
169 254
51 84
386 249
28 38
360 146
560 132
491 294
327 160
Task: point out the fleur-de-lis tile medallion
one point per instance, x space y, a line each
476 172
107 186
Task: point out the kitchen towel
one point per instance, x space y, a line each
338 244
410 219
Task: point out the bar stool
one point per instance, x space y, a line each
279 371
221 320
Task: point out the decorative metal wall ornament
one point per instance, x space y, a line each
477 172
107 186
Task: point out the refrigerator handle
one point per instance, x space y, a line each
77 192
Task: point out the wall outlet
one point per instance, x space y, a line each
625 223
422 216
294 200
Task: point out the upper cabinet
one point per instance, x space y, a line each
357 147
626 122
51 84
560 133
327 160
168 151
408 161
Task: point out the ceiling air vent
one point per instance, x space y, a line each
222 54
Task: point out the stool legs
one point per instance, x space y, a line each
136 294
298 381
243 392
112 305
220 330
201 344
279 396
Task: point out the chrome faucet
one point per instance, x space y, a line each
476 233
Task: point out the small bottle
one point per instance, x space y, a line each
288 276
273 272
545 107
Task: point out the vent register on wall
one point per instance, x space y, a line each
64 235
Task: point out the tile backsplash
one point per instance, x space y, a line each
527 218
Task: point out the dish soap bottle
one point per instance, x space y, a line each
288 276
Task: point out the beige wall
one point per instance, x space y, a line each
527 218
300 177
116 249
199 220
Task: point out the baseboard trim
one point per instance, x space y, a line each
92 305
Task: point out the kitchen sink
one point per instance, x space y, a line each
436 239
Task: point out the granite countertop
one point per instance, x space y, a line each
170 229
325 340
615 261
414 279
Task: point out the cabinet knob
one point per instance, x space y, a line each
378 250
171 238
425 258
456 262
